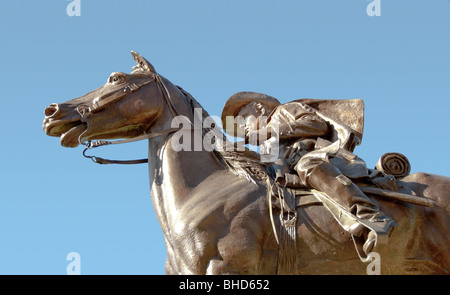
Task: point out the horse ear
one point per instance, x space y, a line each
142 63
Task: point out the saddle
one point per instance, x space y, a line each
287 196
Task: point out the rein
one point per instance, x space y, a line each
86 111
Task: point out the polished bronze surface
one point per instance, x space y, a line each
215 207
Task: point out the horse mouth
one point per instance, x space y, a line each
67 132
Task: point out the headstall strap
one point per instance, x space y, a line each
85 111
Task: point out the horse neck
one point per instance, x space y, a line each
174 174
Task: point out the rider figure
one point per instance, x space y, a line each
315 147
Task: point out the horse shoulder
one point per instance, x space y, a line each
223 218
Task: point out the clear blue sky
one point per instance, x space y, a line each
53 201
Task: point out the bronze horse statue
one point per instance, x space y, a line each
214 213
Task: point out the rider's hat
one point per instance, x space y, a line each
239 100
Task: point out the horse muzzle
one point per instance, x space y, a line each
66 125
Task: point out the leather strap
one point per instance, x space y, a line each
109 98
98 143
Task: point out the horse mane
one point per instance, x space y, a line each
246 164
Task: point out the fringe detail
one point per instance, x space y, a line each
287 250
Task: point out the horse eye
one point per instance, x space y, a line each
115 79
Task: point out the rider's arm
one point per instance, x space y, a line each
305 126
292 120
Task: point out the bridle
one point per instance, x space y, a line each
101 102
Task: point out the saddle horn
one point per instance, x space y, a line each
142 63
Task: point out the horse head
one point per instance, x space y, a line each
126 106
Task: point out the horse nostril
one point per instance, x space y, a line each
51 110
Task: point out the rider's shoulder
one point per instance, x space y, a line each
294 108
